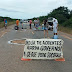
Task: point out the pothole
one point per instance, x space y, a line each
17 41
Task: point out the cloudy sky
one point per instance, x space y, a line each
25 9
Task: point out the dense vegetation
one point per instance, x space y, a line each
63 14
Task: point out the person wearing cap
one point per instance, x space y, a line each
55 26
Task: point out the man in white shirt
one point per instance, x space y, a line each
55 26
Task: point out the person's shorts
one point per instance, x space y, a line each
5 24
55 30
45 28
20 22
30 25
36 25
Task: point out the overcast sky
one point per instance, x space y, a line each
25 9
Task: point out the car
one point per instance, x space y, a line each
50 22
25 21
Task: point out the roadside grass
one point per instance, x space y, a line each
65 29
8 23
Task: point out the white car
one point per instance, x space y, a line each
25 21
50 22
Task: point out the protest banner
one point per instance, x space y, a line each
43 49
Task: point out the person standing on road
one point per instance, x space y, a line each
21 22
35 22
30 22
55 26
5 22
45 27
38 22
17 23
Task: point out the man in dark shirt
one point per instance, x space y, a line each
45 27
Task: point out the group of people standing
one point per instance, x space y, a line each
54 26
46 25
36 23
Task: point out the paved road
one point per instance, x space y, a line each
10 55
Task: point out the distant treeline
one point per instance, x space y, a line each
7 18
62 14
